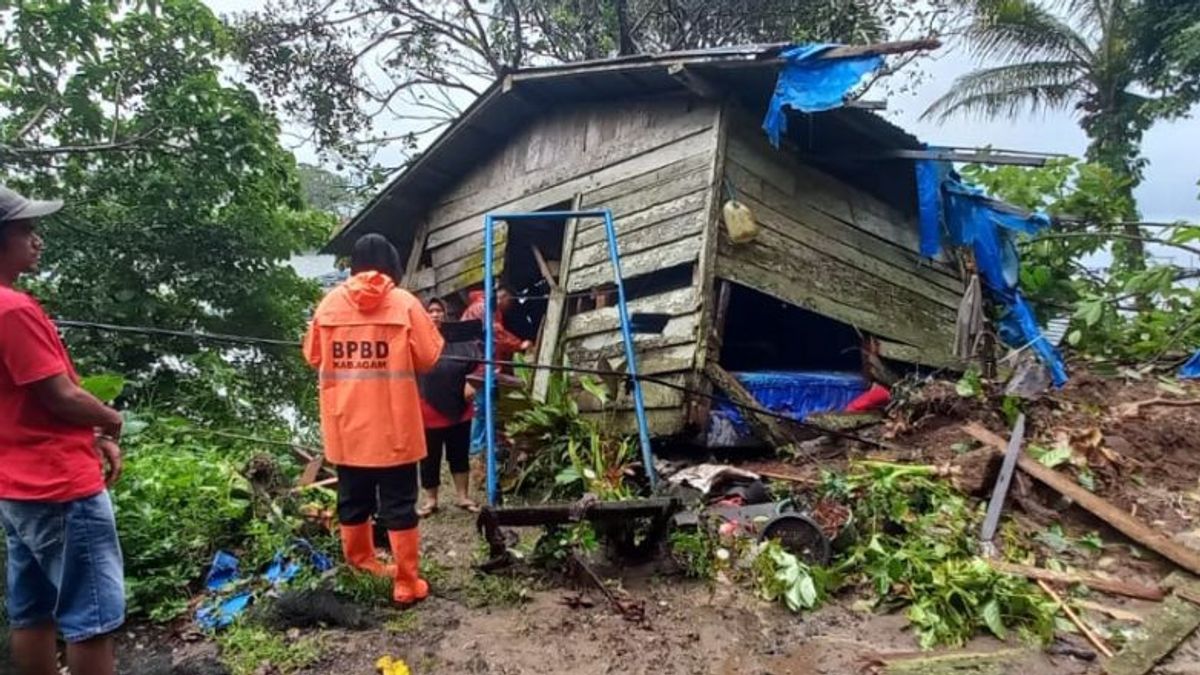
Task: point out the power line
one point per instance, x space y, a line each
238 339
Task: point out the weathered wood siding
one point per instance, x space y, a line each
830 248
652 162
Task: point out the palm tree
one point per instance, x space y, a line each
1063 55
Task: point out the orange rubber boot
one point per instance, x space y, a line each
406 548
358 545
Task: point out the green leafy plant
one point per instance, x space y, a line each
494 590
178 502
247 649
106 387
781 576
916 551
695 553
970 385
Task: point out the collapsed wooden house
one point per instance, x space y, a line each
663 141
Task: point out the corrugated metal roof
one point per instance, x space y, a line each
749 72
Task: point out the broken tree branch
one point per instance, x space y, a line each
1083 627
1134 409
1114 516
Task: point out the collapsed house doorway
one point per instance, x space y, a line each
793 361
532 261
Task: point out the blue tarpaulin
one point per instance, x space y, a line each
795 394
224 607
971 218
808 84
1191 369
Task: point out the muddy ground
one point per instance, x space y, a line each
1148 463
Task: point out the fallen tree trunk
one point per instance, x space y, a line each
1109 513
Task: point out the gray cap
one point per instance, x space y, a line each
13 206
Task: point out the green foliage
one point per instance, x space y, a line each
177 503
182 208
247 649
106 387
915 550
364 589
565 453
1121 313
557 543
970 385
1051 458
695 553
779 575
494 590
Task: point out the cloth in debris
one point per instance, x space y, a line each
809 84
796 394
222 610
704 477
988 227
969 326
1191 369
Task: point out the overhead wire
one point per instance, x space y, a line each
225 338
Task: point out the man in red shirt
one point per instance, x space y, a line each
65 572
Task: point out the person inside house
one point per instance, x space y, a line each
58 452
506 344
447 408
367 340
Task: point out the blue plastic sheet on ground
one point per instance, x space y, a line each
808 84
222 610
796 394
223 570
1191 369
971 218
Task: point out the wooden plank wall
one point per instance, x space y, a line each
830 248
652 162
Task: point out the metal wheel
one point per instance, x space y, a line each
800 536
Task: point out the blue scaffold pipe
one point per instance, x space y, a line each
630 356
489 356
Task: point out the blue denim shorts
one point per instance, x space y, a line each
64 566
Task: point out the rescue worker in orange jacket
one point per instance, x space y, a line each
368 341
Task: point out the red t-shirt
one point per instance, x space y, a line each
41 458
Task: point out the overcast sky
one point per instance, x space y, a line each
1168 193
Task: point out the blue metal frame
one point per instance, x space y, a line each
489 347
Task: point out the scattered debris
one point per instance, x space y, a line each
1118 519
1115 587
1079 623
1114 612
1163 631
1129 410
706 477
630 609
1000 492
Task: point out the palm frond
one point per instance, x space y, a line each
1012 89
1023 30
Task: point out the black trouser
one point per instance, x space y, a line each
388 493
457 441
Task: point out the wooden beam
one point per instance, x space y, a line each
1124 523
768 428
694 82
866 105
880 49
544 267
1124 588
556 310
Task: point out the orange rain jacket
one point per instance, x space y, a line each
368 341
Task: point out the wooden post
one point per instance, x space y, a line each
769 428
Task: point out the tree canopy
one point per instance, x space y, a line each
182 208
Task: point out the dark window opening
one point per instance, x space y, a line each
642 286
765 334
534 249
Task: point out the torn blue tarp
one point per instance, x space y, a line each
796 394
1191 369
971 218
224 608
809 84
930 176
